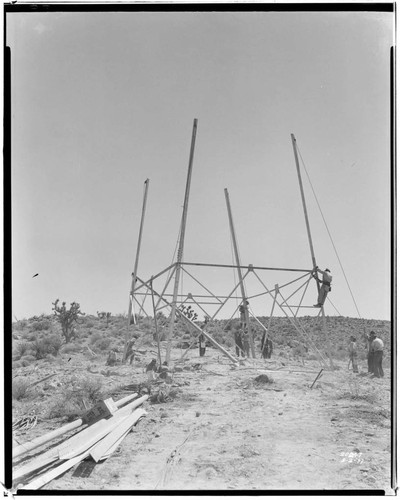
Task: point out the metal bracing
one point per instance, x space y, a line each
302 297
302 332
182 315
141 305
197 281
297 327
143 287
257 268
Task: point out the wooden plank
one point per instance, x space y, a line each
96 431
71 446
101 448
78 446
35 443
44 459
111 450
57 471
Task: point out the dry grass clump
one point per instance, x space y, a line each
21 348
20 388
358 392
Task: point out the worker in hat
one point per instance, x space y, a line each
369 338
325 285
377 355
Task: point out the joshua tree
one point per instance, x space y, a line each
68 318
104 315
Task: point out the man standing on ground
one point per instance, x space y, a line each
238 341
353 354
270 348
370 355
202 345
264 345
377 355
246 342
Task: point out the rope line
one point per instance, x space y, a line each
329 233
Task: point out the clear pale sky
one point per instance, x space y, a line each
102 101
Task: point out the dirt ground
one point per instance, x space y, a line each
225 431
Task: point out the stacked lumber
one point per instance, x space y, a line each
98 441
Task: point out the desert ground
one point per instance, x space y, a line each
217 426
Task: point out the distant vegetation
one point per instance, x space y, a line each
49 336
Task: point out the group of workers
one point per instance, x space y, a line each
374 357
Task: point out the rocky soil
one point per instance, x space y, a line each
258 426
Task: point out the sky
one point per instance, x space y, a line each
103 101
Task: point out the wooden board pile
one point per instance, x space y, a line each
105 426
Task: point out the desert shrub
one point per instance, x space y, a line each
95 337
40 349
29 358
48 345
102 344
71 348
38 326
22 348
20 388
29 336
76 397
84 334
20 325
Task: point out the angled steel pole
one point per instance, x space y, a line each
181 244
134 274
304 202
311 244
235 248
155 324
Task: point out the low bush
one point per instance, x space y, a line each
47 345
95 337
29 336
76 397
29 358
20 325
102 344
22 348
71 348
20 388
38 326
